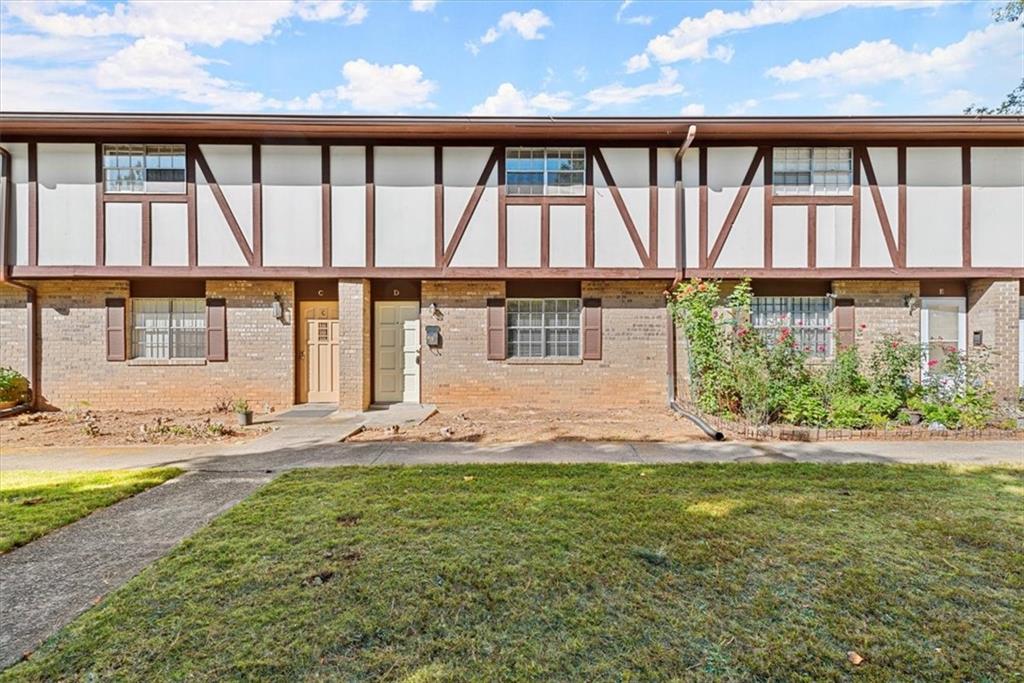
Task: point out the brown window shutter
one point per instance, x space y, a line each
495 329
846 324
591 324
216 330
116 342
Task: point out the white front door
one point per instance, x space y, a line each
943 328
397 352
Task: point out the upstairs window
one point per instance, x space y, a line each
543 328
812 171
144 168
540 171
805 321
164 328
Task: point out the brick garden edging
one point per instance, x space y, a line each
746 430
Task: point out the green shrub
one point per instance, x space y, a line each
803 405
893 363
13 385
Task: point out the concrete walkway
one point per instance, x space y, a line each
48 582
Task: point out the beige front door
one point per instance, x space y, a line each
318 351
397 352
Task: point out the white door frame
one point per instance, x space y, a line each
961 325
407 316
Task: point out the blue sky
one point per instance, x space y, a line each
507 58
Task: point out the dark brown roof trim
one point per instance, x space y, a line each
363 129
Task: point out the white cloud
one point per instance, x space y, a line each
53 89
526 24
882 60
693 109
953 102
24 46
509 101
208 23
853 104
691 38
384 88
618 94
641 19
581 73
422 5
637 63
741 108
472 47
357 15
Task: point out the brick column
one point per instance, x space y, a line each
992 309
354 344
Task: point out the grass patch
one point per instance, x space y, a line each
590 572
32 504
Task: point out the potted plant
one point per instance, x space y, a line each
13 388
242 412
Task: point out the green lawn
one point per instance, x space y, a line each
734 572
32 504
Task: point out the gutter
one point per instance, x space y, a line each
670 328
31 297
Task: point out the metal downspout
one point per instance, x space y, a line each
31 303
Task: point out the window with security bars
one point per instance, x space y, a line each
144 168
540 171
168 328
812 170
807 320
543 328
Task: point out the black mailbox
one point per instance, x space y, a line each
433 334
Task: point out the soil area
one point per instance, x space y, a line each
119 428
493 425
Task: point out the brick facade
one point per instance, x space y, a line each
354 382
993 310
631 371
75 372
13 328
882 307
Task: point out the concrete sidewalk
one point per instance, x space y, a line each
285 450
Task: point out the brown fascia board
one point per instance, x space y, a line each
955 129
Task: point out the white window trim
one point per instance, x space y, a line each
961 326
544 330
813 191
546 187
138 359
827 330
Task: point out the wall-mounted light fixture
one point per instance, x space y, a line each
435 312
278 307
910 301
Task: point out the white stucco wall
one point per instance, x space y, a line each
66 175
123 234
461 169
169 227
726 168
835 236
789 236
348 206
873 250
232 167
567 226
612 244
666 208
934 195
404 207
292 227
523 227
997 206
17 247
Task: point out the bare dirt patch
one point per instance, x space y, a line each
120 428
492 425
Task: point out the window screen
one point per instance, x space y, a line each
168 328
812 170
144 168
808 320
540 328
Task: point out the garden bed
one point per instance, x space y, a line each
120 427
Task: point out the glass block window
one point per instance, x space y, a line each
543 328
540 171
807 319
812 170
144 168
168 328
